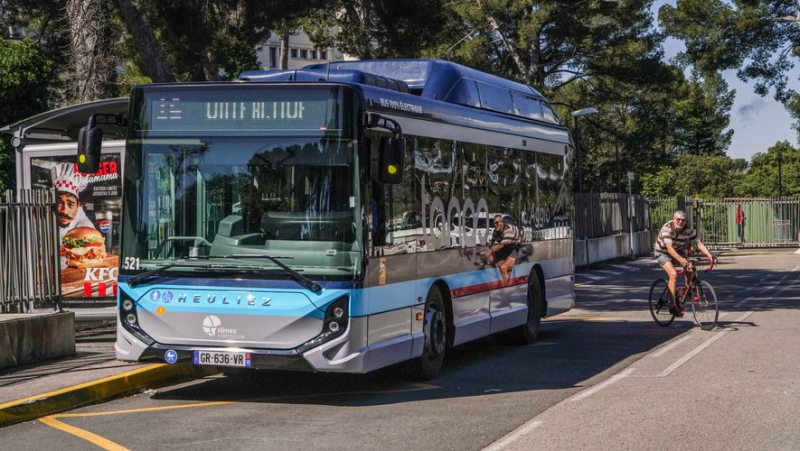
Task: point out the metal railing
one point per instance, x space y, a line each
605 214
769 222
30 277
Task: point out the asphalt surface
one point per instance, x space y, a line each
603 376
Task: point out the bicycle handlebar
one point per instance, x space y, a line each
713 262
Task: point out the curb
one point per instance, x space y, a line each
151 376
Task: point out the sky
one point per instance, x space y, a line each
757 122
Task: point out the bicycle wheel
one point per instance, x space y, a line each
704 306
660 300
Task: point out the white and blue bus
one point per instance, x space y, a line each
334 218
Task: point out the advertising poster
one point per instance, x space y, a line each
89 207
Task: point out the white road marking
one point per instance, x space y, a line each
669 347
513 436
678 363
592 276
605 271
625 267
606 383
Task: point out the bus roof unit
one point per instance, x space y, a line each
433 79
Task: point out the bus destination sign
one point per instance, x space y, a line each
207 109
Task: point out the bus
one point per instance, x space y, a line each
335 218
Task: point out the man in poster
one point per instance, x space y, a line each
69 186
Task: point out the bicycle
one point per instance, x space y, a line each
703 298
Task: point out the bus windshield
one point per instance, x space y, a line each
222 197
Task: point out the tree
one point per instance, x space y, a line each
758 38
92 61
550 43
152 54
25 76
762 178
371 29
702 112
704 175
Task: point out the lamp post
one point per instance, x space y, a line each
576 115
632 211
780 181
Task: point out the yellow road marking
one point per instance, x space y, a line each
601 318
82 433
588 319
105 443
80 386
146 409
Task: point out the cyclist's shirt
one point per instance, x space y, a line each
668 235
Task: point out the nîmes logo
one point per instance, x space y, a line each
210 325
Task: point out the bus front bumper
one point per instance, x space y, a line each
347 353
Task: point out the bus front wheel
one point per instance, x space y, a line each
427 366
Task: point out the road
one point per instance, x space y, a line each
603 376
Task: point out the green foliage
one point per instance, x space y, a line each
758 38
704 175
237 57
551 43
762 178
376 29
25 75
702 114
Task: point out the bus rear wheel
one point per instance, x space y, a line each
427 366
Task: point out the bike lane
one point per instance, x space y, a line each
732 388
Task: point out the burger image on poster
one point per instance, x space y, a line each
68 187
83 247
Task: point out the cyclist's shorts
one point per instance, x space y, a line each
663 258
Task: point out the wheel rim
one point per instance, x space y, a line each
660 303
704 306
434 332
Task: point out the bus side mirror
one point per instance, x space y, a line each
391 160
90 139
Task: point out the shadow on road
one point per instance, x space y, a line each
569 353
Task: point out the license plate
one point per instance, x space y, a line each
241 359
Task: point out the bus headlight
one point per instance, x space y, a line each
334 324
129 318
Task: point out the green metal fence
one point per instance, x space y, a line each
769 222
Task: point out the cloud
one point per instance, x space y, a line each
751 109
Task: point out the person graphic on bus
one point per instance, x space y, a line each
503 246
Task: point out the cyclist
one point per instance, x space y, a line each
670 249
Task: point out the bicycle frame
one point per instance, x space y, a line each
703 298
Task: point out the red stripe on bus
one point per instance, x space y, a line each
87 289
481 287
101 289
114 289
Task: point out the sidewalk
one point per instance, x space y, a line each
92 375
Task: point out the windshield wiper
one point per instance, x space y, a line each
301 279
133 281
